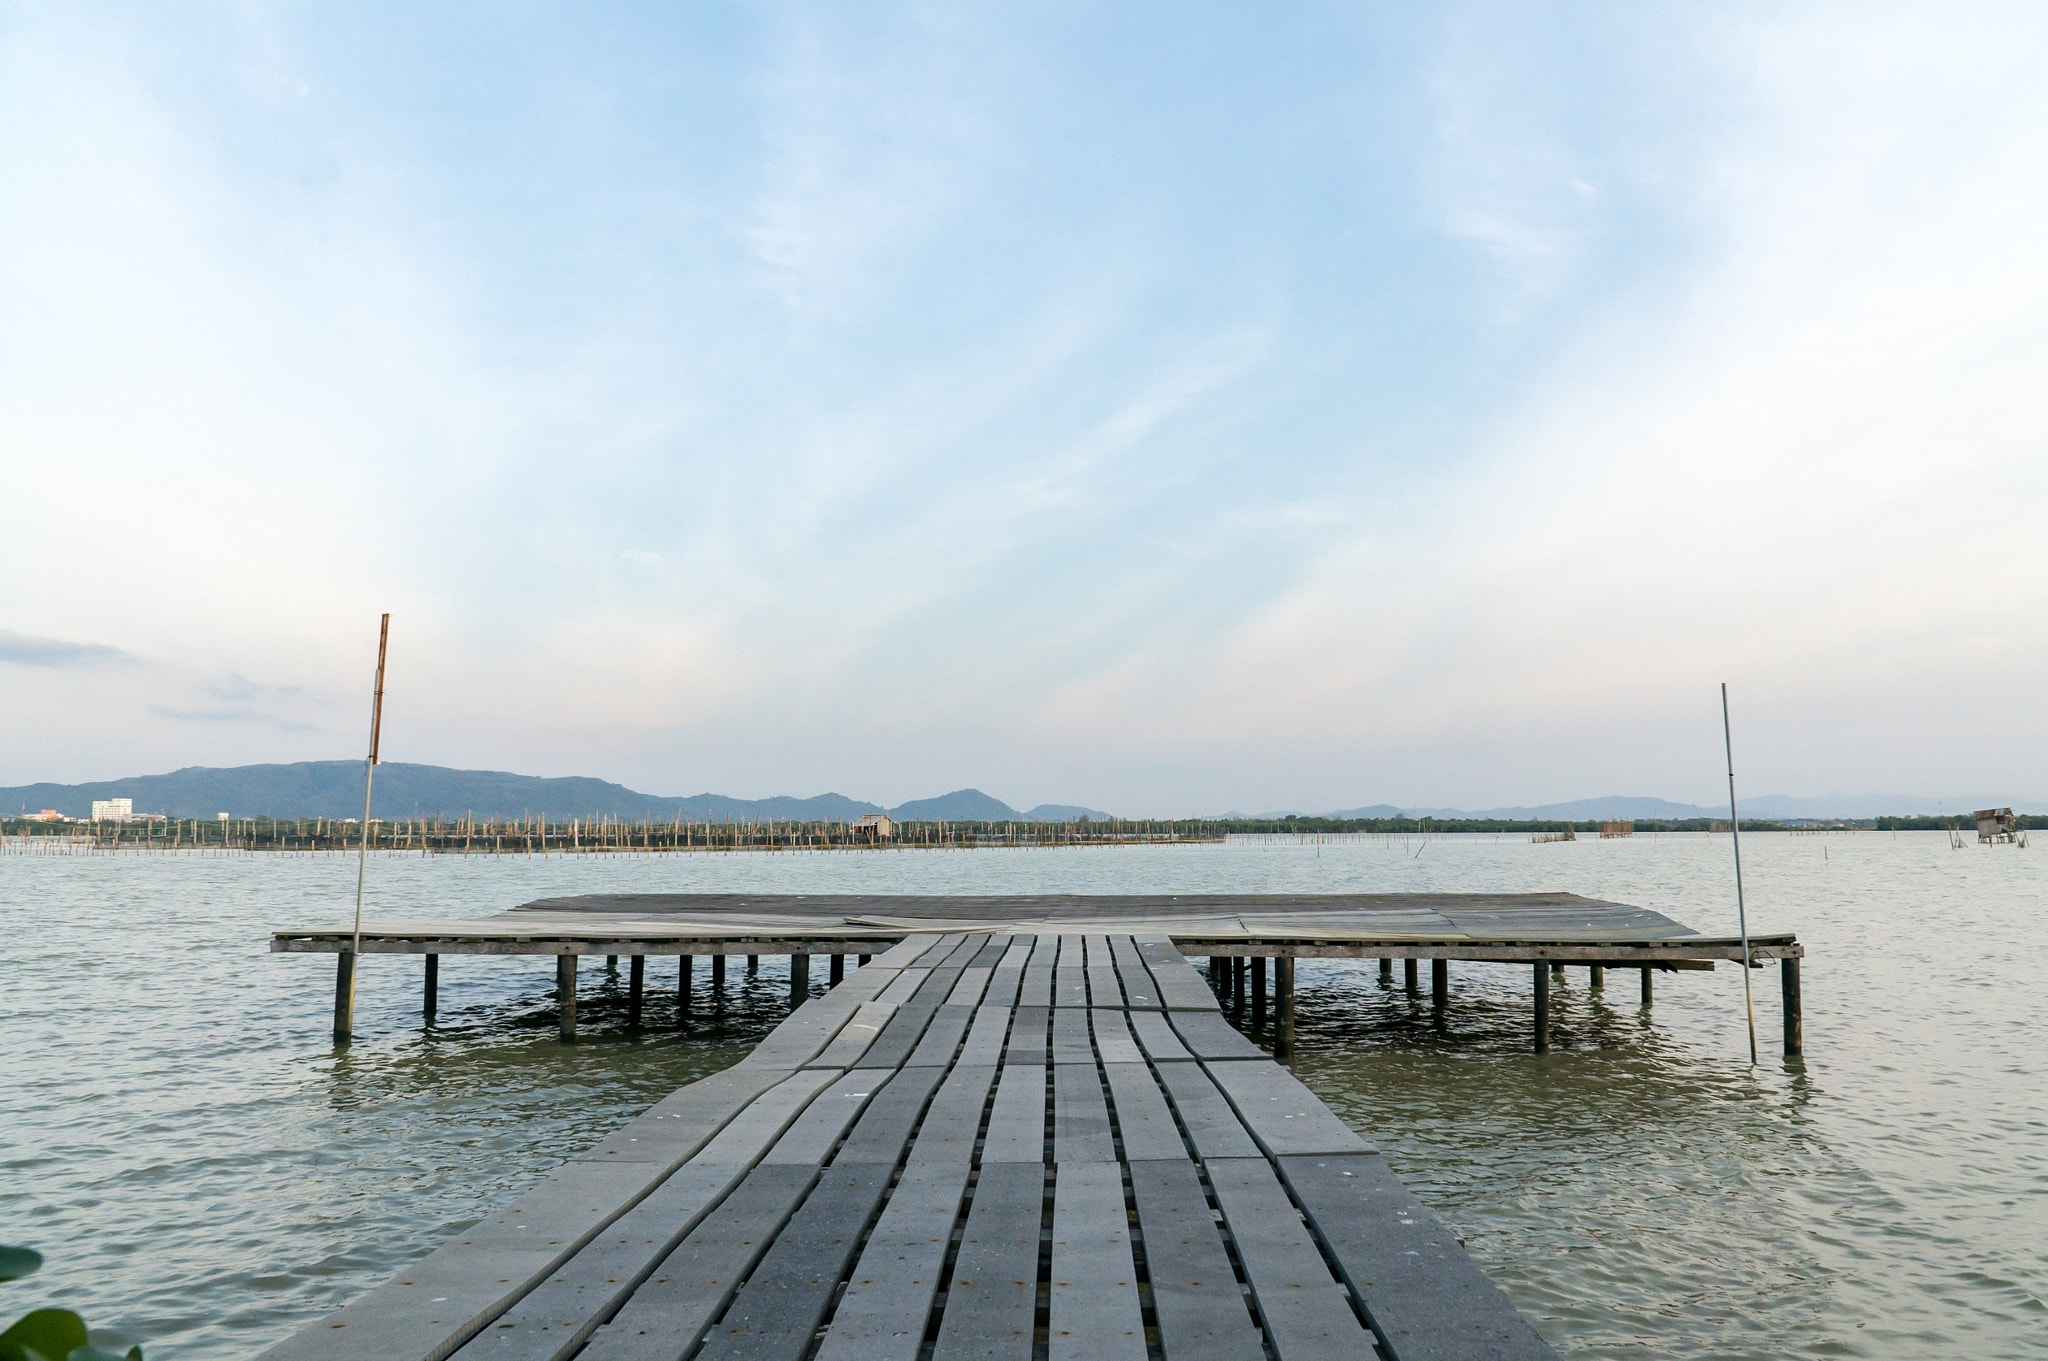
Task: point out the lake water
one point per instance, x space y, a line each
206 1173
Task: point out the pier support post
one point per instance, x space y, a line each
864 959
1410 971
1795 1019
718 980
1258 989
1596 977
1386 973
636 988
1237 984
686 969
1649 988
1283 1003
838 970
565 992
344 995
611 963
799 979
753 965
1542 1009
1440 985
433 988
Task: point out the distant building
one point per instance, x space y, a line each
47 815
876 827
1996 824
113 810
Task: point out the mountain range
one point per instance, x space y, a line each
314 789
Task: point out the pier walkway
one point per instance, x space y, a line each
986 1143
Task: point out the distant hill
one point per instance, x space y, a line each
312 789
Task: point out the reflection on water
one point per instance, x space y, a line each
206 1171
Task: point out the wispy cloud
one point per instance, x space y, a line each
26 649
237 699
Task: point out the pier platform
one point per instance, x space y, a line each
1241 933
1033 1135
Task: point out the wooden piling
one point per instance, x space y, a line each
1440 984
753 965
565 992
685 968
636 988
718 980
1411 971
1258 989
611 963
838 970
799 979
433 987
1283 1003
1596 978
344 995
1237 983
1386 973
1542 1008
1795 1019
1649 989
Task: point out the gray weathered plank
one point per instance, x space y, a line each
1113 1040
1427 1299
1180 987
1212 1126
992 1293
973 982
1284 1116
986 1038
942 1037
776 1314
1209 1036
1140 993
1096 1315
671 1309
1016 1122
1028 1037
952 1126
855 1037
1161 1042
1080 1117
1143 1119
1308 1314
1070 976
1071 1042
883 1131
824 1122
1103 988
1201 1307
881 1317
1003 982
765 1118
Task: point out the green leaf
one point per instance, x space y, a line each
91 1353
16 1263
49 1334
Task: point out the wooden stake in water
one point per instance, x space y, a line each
1741 913
369 772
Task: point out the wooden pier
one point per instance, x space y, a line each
1242 932
983 1144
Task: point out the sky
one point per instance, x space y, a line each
1166 408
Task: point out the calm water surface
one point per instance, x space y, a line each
207 1174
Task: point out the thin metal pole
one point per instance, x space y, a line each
363 848
1741 912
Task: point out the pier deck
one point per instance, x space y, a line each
1545 930
987 1143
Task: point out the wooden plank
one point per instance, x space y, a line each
1036 989
1028 1027
1003 982
776 1314
904 986
1096 1315
883 1131
992 1293
1212 1126
812 1136
1427 1300
985 1039
893 1047
1113 1037
1016 1123
993 948
1195 1291
1179 986
1071 1042
765 1119
1080 1116
952 1126
1140 993
967 992
1161 1042
888 1298
1070 975
1210 1036
855 1037
1307 1313
1142 1116
942 1037
1103 988
672 1308
1284 1116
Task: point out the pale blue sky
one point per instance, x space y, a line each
1169 409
